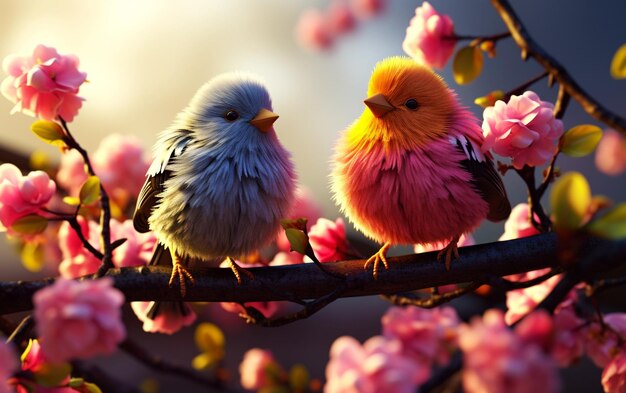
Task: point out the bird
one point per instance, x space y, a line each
410 169
220 182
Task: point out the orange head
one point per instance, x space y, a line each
408 104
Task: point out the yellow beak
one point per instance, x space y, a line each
264 120
379 105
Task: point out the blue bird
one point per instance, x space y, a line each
220 181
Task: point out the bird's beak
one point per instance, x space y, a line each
264 120
379 105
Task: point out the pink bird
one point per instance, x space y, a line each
410 169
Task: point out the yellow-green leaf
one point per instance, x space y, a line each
32 256
52 374
467 64
618 64
72 201
612 225
570 201
30 225
90 191
92 388
149 385
49 132
297 223
581 140
490 99
297 239
203 362
209 336
298 378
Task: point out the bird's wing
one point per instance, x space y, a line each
154 185
485 178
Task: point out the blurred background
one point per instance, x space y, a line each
146 58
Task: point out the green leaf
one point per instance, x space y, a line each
72 201
30 225
490 99
91 388
467 64
570 201
90 192
32 256
298 378
618 64
76 382
297 223
297 239
49 132
612 225
581 140
51 374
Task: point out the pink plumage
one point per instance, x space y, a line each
410 170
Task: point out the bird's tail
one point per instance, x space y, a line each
163 257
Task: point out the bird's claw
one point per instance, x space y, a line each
448 251
238 270
178 270
376 259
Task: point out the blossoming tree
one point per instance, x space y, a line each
72 222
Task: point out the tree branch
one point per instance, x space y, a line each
306 281
529 47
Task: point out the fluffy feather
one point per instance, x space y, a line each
400 177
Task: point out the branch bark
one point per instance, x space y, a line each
306 281
529 47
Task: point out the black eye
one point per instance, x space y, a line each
231 115
411 103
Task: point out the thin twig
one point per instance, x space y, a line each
561 103
22 330
529 47
524 86
105 207
508 285
158 364
254 316
493 38
432 301
534 200
604 284
79 232
543 187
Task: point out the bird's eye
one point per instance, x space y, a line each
231 115
411 103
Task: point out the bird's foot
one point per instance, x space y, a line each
376 259
238 270
448 251
181 274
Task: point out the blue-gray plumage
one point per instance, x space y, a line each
221 181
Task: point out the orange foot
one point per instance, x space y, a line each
376 259
448 251
237 270
180 272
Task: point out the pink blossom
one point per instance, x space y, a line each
497 360
8 365
79 319
464 240
304 206
537 328
22 195
520 302
429 37
340 18
268 309
518 224
121 163
614 375
611 153
523 129
254 369
365 9
569 336
78 261
377 366
138 247
71 174
313 31
328 240
44 84
170 318
427 336
287 258
603 344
